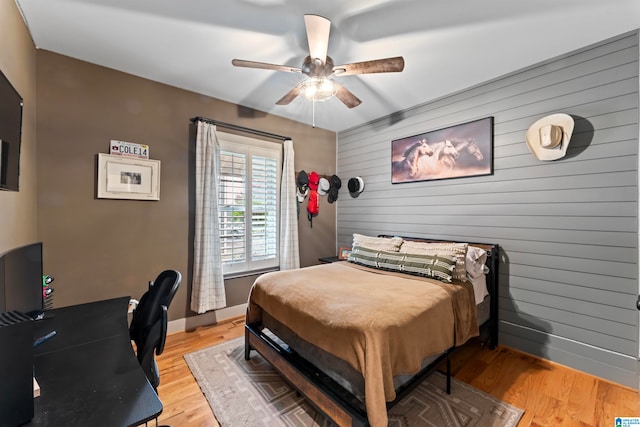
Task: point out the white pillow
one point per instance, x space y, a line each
475 261
390 244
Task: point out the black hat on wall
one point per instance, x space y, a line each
302 181
334 185
335 181
356 186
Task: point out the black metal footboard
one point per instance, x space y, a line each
325 394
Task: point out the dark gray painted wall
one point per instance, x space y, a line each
568 228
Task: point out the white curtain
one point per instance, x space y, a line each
289 248
207 292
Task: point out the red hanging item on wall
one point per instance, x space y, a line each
313 205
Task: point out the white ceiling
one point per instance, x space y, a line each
448 45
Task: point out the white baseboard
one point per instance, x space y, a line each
205 319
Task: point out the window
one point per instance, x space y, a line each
248 203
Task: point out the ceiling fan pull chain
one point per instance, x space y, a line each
313 113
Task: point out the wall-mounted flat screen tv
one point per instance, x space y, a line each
10 134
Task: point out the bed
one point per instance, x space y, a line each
355 336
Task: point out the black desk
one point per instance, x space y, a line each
88 372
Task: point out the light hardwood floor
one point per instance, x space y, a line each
550 394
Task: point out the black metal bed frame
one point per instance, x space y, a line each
330 398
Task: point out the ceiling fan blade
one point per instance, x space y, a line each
347 98
290 96
265 66
387 65
318 28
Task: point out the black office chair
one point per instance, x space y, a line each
148 327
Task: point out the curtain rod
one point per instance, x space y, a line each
239 128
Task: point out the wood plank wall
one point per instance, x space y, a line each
568 228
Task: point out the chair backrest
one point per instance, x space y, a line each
148 327
149 310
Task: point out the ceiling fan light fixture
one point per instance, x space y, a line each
318 67
318 88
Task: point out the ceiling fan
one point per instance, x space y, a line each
319 66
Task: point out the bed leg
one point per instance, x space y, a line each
448 375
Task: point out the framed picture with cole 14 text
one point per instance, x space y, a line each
121 177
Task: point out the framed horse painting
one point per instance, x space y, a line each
462 150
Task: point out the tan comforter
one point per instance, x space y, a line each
381 323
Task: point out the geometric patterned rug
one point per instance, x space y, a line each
251 393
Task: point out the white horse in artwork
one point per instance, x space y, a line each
409 165
447 152
444 156
471 146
